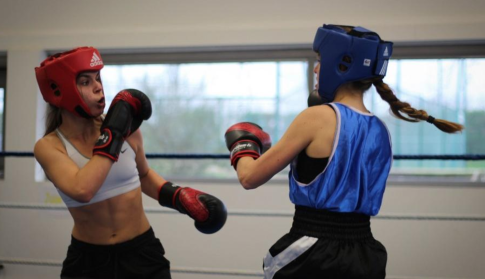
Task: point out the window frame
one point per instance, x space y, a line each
3 84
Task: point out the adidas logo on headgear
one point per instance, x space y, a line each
95 61
386 52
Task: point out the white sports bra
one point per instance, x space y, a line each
122 178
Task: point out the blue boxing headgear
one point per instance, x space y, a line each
348 56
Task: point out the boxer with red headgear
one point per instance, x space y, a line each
98 165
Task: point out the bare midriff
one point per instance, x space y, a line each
111 221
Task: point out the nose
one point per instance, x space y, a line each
98 86
316 70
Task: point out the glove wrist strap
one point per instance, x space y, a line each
244 148
168 196
109 144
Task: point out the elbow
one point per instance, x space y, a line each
248 186
246 182
83 197
248 174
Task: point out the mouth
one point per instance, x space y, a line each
101 102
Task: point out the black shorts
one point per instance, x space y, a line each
323 244
139 258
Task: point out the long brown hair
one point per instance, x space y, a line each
398 107
53 119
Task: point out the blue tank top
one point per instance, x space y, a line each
355 177
122 178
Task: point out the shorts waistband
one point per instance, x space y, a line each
334 225
123 246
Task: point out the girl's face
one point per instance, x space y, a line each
91 89
316 70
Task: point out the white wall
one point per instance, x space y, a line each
420 249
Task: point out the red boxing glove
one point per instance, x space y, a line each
125 114
246 139
208 212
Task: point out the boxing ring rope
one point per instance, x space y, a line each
252 213
243 213
467 157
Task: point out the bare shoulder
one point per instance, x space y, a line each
309 123
317 115
49 151
47 144
323 110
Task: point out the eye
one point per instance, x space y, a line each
83 82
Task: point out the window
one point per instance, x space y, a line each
194 103
451 89
198 93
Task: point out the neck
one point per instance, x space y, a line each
351 98
76 127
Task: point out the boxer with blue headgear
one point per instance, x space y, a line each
339 155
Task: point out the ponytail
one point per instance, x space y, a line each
413 115
53 119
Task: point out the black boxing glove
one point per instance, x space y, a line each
145 110
119 122
209 213
314 99
246 139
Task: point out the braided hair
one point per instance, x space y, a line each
398 108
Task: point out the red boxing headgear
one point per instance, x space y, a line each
57 75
